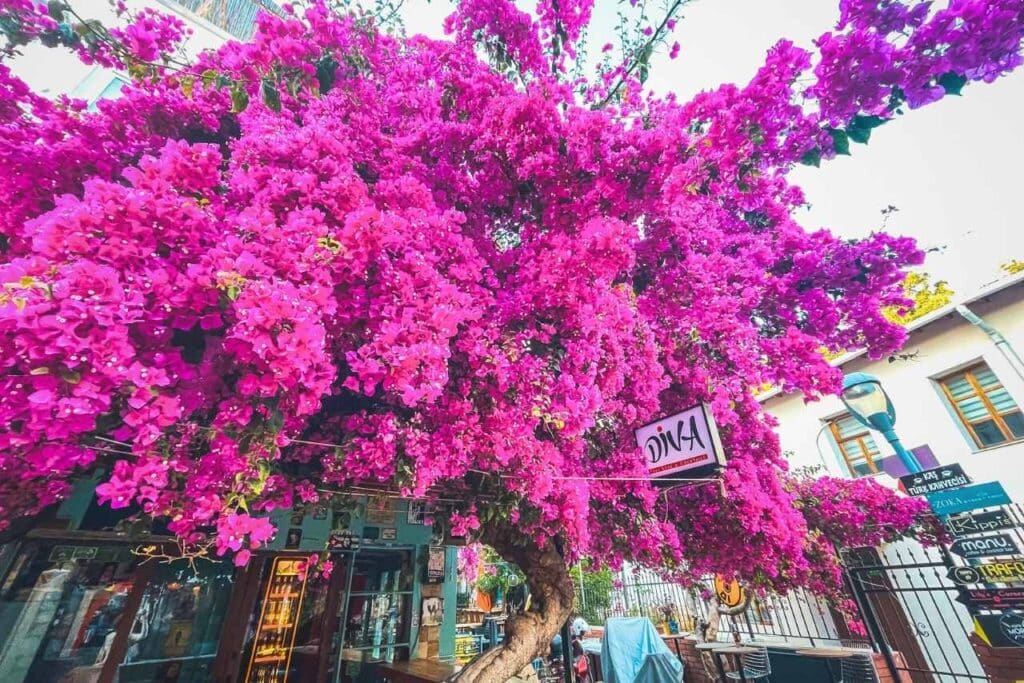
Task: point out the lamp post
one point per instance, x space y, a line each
867 401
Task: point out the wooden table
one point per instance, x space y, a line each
416 671
675 638
828 654
736 651
711 647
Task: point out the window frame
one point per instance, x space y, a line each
872 459
992 414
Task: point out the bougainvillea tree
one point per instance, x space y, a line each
457 269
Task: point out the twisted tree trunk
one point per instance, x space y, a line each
528 634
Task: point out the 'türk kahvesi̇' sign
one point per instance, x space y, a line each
999 571
984 546
935 479
682 442
992 598
967 498
979 523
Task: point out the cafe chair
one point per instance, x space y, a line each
756 666
857 669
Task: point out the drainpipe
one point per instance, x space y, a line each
997 338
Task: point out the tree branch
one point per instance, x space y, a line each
638 54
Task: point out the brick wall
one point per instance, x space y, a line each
1001 664
693 668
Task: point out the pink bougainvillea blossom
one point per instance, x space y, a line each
330 256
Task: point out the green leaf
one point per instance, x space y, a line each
239 97
208 77
271 95
868 121
840 141
861 135
952 82
811 157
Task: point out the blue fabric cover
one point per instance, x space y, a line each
633 652
660 667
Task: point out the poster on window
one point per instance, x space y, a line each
435 564
433 610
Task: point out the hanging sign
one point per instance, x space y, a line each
1000 571
679 443
934 480
730 593
1000 630
989 494
993 598
986 546
978 522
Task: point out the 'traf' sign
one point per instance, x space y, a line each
679 443
936 479
987 546
1000 571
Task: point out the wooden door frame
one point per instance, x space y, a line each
243 598
144 572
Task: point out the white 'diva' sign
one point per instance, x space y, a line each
681 442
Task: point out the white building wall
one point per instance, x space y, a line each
57 71
923 416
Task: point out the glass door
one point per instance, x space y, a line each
288 636
374 616
61 607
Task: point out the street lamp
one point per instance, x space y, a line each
867 401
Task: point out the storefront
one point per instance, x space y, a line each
78 604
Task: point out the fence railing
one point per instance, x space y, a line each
797 617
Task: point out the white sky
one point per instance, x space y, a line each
952 168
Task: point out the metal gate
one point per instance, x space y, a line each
910 609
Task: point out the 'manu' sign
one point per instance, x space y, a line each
985 546
682 442
936 479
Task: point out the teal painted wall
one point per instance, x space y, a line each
450 589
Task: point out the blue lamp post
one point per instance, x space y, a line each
867 401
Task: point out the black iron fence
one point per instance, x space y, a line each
797 617
911 610
919 605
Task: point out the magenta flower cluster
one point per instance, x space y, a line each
330 256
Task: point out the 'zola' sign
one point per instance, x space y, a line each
682 442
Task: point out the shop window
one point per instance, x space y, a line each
856 445
61 606
177 627
986 410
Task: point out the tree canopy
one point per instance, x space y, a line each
457 269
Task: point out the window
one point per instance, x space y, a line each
985 408
856 445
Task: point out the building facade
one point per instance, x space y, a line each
958 391
86 598
957 387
